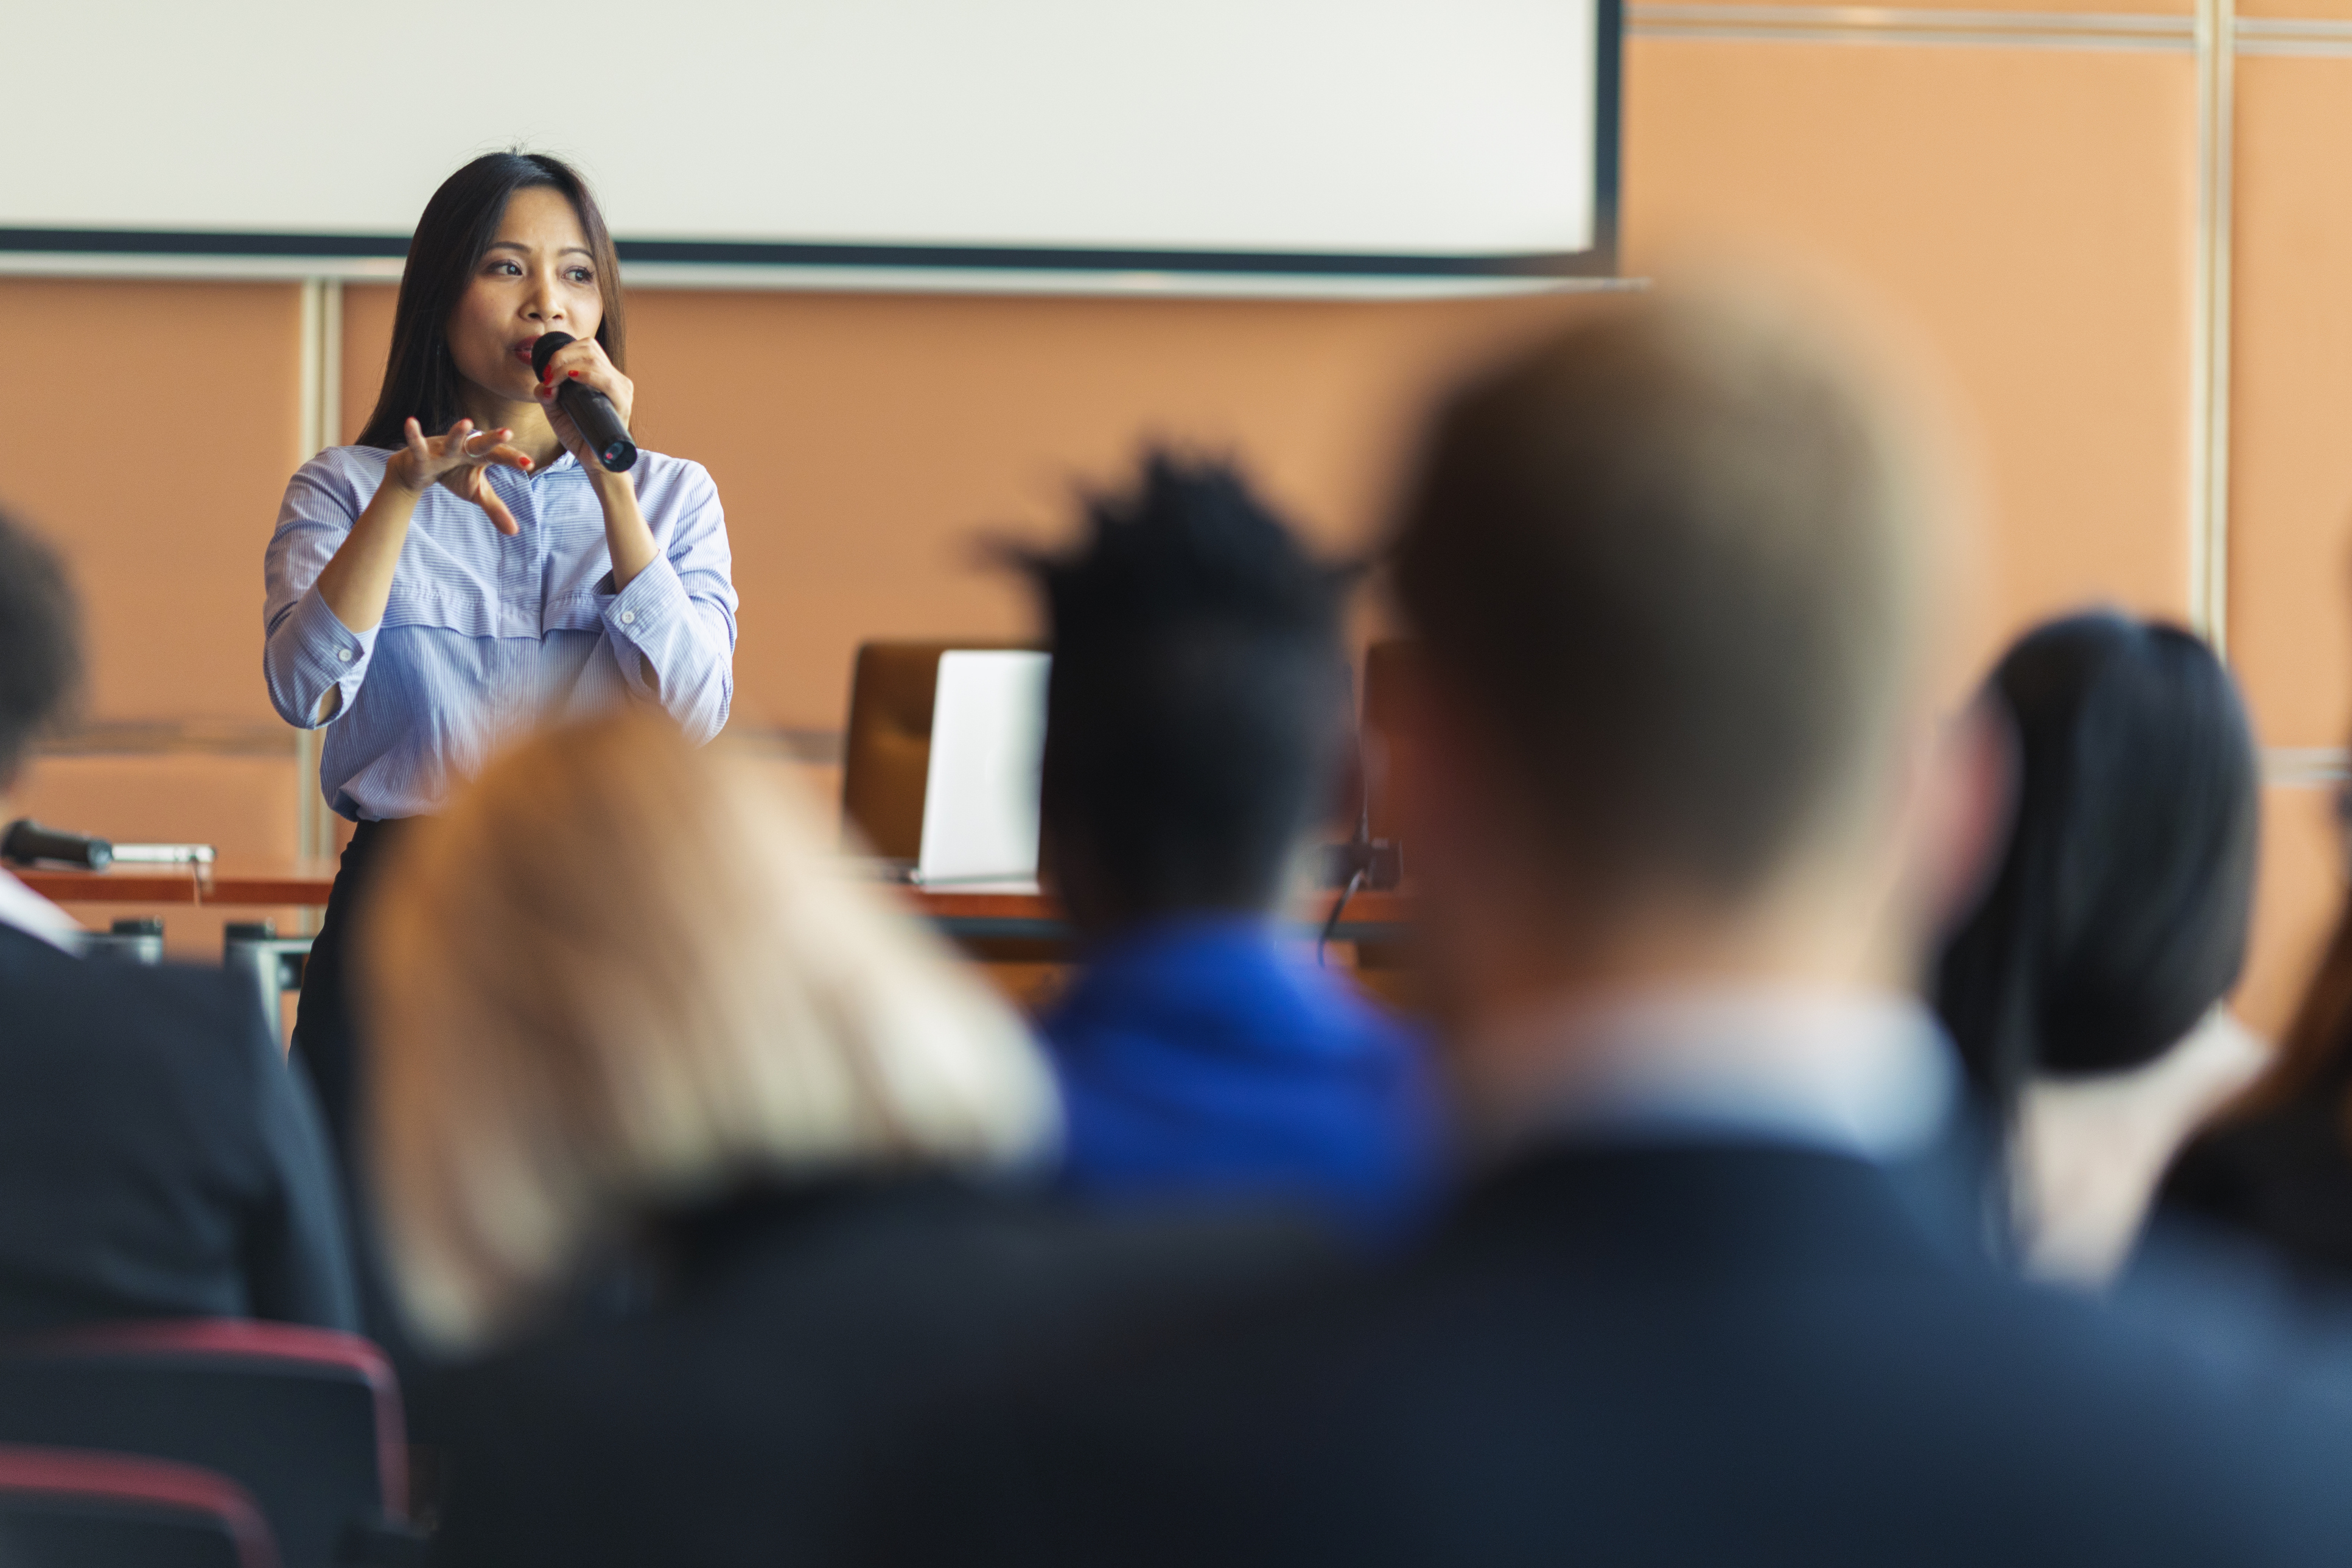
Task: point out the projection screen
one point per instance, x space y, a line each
1471 140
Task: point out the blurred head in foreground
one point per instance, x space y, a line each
1198 701
2115 923
618 977
40 645
1670 576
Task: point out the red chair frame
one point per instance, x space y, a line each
143 1483
232 1338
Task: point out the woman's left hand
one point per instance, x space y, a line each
583 361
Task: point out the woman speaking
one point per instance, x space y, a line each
469 566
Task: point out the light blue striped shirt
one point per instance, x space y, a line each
485 636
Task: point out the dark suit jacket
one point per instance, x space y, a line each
157 1156
728 1417
1704 1355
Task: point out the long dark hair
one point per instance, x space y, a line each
420 379
2119 914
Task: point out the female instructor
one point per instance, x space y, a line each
468 567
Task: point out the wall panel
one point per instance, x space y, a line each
148 429
2030 211
2306 11
2291 461
367 338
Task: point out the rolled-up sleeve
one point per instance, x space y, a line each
307 651
673 627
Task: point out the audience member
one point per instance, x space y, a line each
703 1153
157 1156
1682 824
2085 993
1196 711
2276 1166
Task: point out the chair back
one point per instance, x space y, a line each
887 749
308 1421
62 1508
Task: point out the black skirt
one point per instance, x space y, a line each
331 1043
326 1039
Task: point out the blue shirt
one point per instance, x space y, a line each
1198 1060
483 635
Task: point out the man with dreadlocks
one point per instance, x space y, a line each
1196 716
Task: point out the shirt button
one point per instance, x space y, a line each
343 655
628 617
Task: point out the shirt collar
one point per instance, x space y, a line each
1859 1073
1193 963
27 911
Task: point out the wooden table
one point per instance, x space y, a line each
971 917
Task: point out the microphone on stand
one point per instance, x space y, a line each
26 842
590 409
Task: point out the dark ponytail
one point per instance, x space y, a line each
2120 911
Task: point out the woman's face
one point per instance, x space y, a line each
537 277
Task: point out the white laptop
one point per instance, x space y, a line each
988 751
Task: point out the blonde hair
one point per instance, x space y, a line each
619 974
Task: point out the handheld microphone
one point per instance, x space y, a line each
28 841
590 409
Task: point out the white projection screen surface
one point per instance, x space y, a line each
1407 139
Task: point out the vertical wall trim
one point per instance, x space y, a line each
2208 542
322 424
322 363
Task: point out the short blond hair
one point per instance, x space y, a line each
619 974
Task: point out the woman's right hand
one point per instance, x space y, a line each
460 462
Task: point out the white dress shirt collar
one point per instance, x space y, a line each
1856 1073
27 911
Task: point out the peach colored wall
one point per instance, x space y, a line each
149 427
2290 589
2290 460
164 521
2029 214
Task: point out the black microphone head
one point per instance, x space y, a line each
545 349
